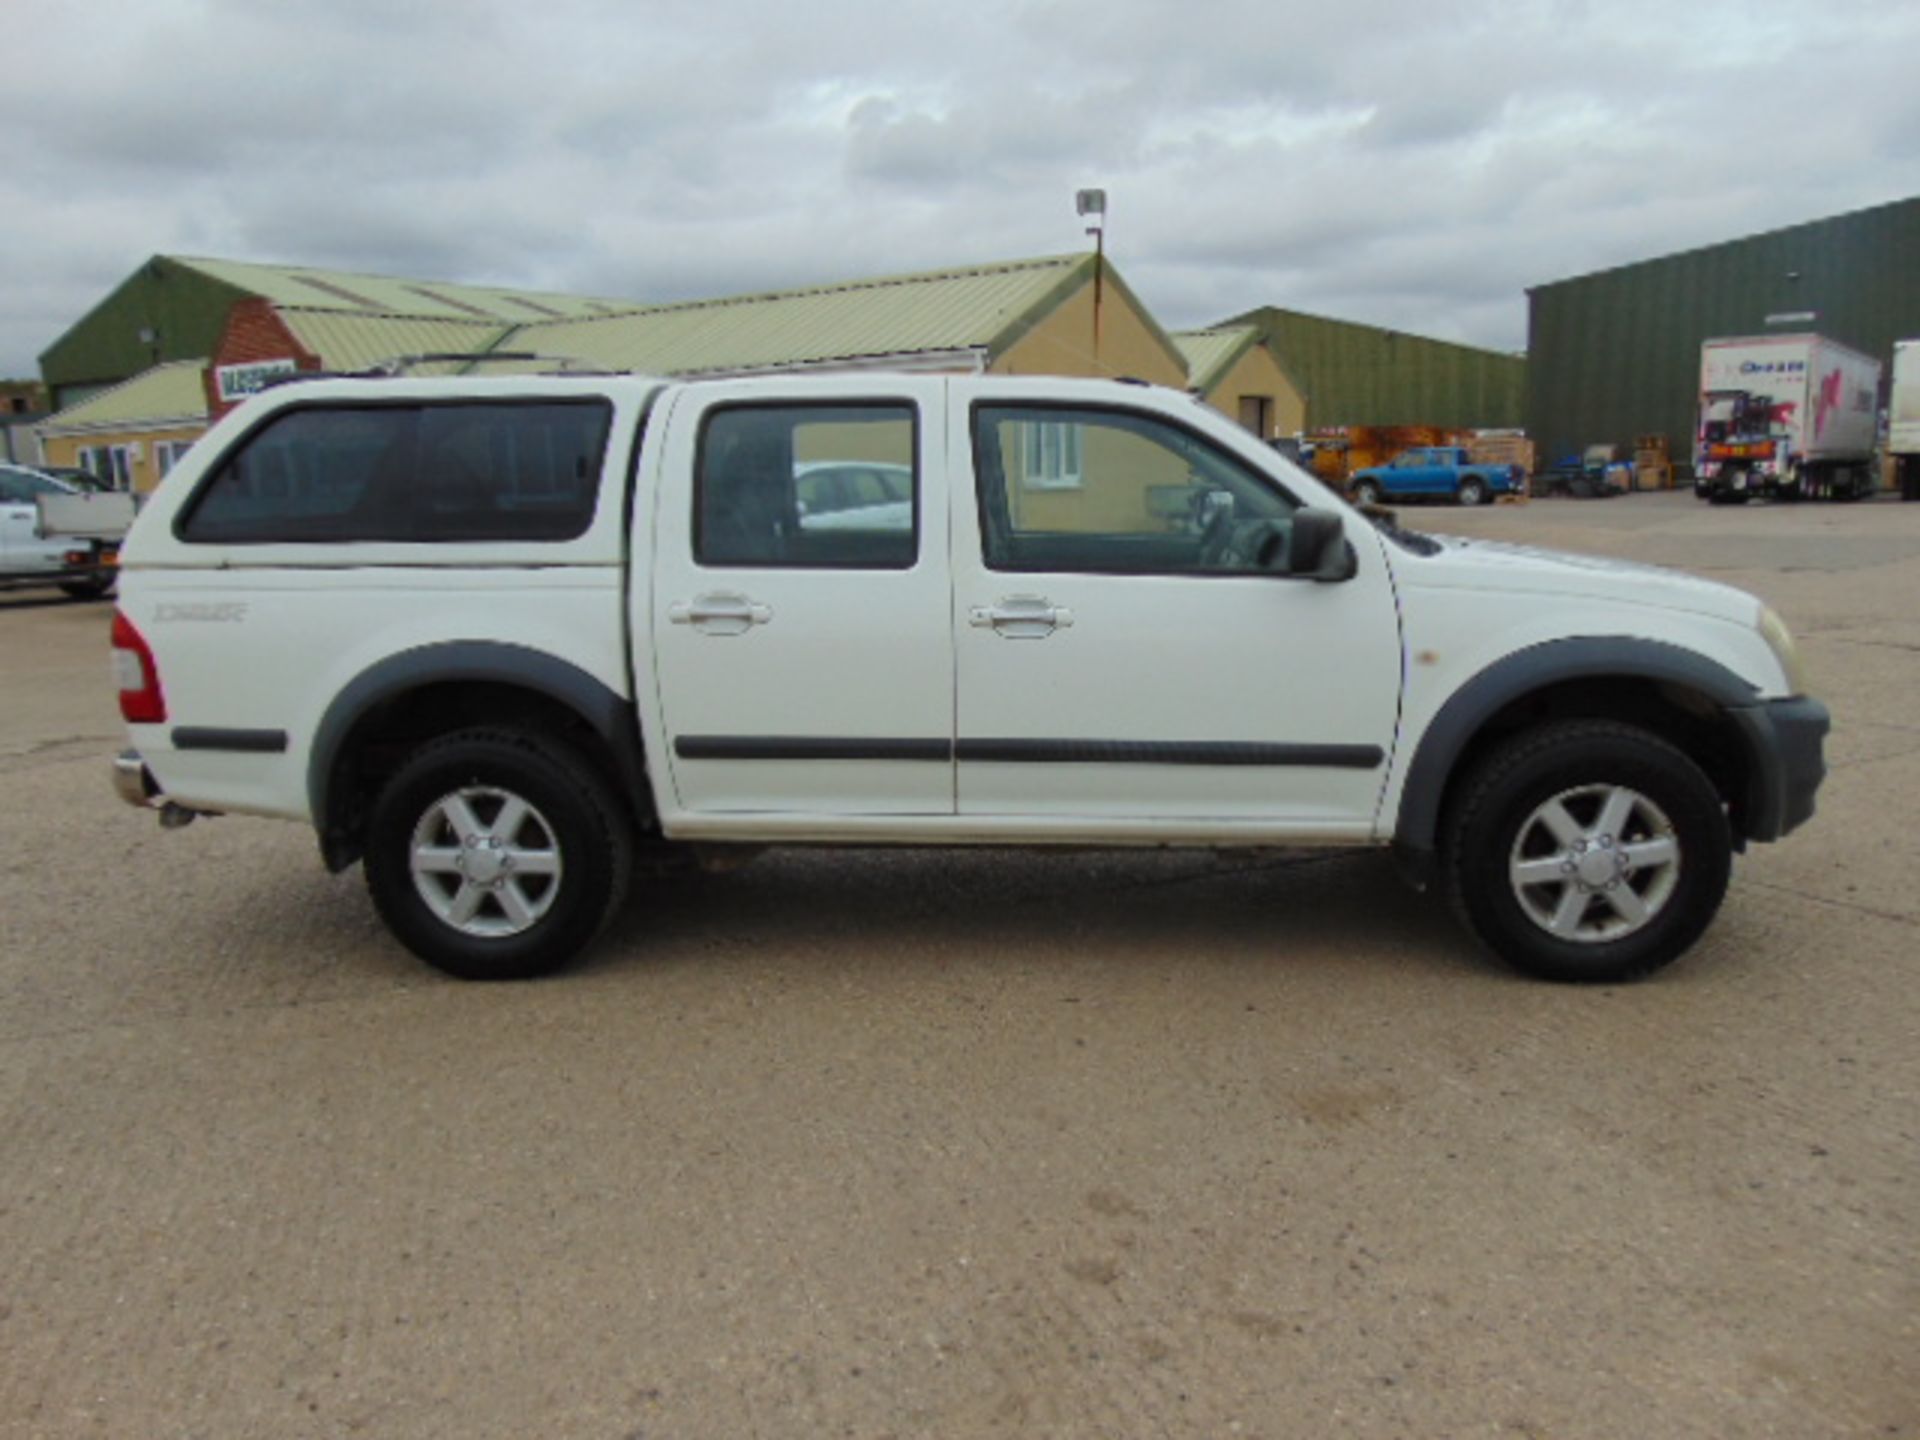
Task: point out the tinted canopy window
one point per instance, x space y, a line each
808 486
514 471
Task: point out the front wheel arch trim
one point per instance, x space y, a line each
1536 668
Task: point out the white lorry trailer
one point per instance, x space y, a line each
1785 417
1903 420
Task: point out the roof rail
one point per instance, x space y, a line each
402 364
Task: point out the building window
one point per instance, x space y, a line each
169 453
1051 457
112 465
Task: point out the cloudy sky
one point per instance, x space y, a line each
1371 159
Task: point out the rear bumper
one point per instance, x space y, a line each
133 782
1786 742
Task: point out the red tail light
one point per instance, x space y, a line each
142 702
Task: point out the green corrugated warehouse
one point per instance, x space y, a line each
1363 375
1616 355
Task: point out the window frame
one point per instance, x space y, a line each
696 489
975 435
203 487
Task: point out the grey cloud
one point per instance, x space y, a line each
1372 159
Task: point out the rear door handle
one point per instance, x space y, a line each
1021 617
726 614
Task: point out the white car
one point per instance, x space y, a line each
499 638
30 557
851 495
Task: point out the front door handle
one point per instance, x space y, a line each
1021 617
726 614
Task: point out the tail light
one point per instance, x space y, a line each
142 702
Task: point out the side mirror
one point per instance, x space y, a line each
1319 548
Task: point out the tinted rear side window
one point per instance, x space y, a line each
515 471
809 486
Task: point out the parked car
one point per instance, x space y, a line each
853 495
32 555
1436 472
1114 617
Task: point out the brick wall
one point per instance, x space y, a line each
254 332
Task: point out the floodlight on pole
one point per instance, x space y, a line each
1094 203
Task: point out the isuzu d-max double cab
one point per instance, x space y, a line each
502 639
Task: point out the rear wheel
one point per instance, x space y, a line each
1473 491
497 854
1588 851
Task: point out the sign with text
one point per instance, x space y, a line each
237 382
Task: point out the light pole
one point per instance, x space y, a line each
1094 203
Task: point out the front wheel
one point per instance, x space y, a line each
1472 491
1588 851
1366 492
497 854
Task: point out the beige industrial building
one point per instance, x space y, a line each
1060 315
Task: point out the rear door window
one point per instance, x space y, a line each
807 487
521 470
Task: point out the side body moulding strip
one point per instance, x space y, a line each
213 737
1025 752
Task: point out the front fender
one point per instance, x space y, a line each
1524 672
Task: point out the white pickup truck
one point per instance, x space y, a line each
505 638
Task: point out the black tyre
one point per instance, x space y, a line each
1472 491
91 588
1588 851
1366 492
497 855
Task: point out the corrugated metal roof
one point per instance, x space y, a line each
304 287
358 342
981 307
1356 374
169 392
1211 353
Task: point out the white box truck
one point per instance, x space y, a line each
1786 417
1903 417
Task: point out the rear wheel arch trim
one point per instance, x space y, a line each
1517 675
608 714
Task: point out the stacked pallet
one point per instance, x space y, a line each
1502 448
1652 468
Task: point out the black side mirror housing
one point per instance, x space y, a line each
1319 549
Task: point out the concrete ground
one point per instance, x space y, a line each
947 1145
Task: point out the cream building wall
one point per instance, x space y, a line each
1063 342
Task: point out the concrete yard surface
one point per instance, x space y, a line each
949 1144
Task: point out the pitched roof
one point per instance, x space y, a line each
359 342
307 288
169 393
980 308
1211 353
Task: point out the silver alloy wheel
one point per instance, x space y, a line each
486 862
1594 863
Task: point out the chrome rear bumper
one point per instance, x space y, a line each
133 782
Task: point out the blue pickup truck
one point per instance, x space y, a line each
1437 471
